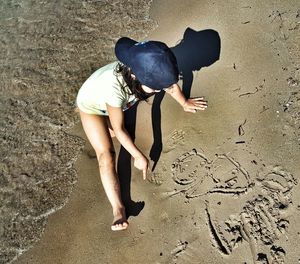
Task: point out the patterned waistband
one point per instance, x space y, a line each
130 104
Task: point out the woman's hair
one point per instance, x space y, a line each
134 85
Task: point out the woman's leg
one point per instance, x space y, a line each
97 131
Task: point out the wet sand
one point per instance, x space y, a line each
48 49
225 189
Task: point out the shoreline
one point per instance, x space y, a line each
234 185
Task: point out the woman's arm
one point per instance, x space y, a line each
189 105
116 118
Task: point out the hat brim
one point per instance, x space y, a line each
122 49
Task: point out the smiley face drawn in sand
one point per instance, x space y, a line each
200 176
190 168
261 220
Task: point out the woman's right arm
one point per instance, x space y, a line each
116 118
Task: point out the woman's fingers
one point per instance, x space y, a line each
194 108
199 101
199 107
142 164
145 170
197 98
191 110
194 104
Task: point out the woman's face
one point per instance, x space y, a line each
146 88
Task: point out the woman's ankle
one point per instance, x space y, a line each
120 209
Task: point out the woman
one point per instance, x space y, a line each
146 68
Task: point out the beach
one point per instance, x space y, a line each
224 185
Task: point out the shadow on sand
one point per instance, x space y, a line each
124 166
197 49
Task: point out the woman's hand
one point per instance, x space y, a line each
141 163
193 104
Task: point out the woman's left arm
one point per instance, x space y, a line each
189 105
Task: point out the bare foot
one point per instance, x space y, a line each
120 221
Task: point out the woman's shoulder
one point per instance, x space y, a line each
106 69
104 74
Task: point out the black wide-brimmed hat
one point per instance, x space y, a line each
152 62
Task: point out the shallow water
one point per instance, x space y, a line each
182 222
48 48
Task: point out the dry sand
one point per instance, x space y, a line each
225 189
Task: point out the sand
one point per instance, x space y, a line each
225 187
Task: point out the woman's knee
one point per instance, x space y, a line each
106 157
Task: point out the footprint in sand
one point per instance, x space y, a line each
262 219
179 249
176 138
